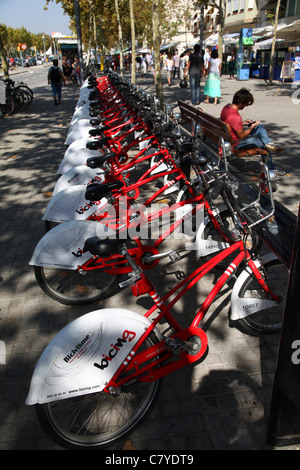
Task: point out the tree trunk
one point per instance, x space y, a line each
4 60
222 13
79 38
272 56
156 42
120 36
133 53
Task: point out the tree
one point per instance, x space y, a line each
272 56
3 37
156 41
133 53
120 36
220 5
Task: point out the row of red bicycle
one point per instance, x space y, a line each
129 167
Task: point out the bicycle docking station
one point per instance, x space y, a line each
284 418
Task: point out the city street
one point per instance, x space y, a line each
220 403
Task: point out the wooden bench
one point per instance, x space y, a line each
214 133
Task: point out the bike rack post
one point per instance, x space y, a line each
284 419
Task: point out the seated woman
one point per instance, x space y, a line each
254 135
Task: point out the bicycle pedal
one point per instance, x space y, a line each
175 345
174 256
180 275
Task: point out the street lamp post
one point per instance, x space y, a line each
44 46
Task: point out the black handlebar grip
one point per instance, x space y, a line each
217 188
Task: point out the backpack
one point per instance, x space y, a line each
54 75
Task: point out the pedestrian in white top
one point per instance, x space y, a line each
213 83
176 60
169 67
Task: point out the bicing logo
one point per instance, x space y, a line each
2 353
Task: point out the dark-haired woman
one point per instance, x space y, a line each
213 83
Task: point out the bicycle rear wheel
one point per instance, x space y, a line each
98 420
268 316
71 288
9 107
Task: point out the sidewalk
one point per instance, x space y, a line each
221 403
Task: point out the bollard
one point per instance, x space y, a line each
284 419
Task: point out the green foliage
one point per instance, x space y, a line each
12 37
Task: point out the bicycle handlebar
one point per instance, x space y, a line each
218 187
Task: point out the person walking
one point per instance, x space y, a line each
206 59
56 79
176 60
143 65
169 67
231 67
195 68
213 83
67 71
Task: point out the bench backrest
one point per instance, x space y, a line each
211 127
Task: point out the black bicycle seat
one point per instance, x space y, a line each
96 191
96 246
97 162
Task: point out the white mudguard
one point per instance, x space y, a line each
78 123
71 204
207 246
62 247
82 112
200 244
84 356
76 158
79 175
79 144
78 133
242 307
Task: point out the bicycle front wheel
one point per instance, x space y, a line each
71 288
97 420
268 315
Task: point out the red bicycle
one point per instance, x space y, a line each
78 263
98 378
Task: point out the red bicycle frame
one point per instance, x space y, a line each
168 355
116 264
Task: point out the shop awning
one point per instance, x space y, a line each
212 40
262 31
291 31
164 47
230 38
267 44
143 50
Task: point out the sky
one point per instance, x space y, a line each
30 14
